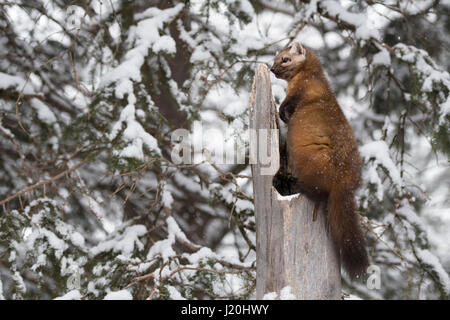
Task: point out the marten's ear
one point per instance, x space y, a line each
297 48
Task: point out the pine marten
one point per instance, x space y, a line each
321 149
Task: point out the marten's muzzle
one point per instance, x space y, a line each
275 71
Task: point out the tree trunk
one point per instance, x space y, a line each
292 249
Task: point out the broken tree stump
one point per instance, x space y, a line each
291 249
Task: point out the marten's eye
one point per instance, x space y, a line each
285 60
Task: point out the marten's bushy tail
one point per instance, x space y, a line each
346 232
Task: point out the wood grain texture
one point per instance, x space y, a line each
292 249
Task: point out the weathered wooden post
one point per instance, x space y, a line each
292 249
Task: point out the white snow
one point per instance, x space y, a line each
167 199
174 293
77 239
415 7
71 295
352 297
55 243
200 54
44 113
408 211
147 36
287 198
427 257
125 243
93 206
270 296
163 247
286 294
18 282
134 134
201 254
1 290
372 176
17 83
173 228
359 20
382 58
6 131
429 71
379 152
445 109
119 295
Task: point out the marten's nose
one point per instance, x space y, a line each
272 69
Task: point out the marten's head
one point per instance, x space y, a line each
289 61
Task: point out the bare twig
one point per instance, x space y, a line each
50 180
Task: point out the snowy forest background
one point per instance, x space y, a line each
92 205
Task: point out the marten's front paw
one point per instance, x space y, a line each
283 114
286 111
285 183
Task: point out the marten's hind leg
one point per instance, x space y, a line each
317 196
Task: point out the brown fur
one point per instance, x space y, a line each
322 151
